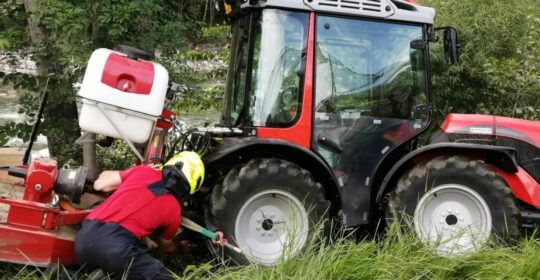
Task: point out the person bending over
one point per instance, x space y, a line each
144 199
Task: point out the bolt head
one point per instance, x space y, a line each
259 228
263 234
270 234
37 187
272 215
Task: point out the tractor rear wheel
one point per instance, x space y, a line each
269 208
456 204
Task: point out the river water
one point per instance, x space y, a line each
9 106
9 100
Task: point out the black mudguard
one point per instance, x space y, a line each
502 157
228 152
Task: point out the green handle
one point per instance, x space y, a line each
209 234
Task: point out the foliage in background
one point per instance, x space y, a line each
71 31
116 157
12 25
499 71
203 88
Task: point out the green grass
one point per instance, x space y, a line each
398 256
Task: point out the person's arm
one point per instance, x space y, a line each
108 181
169 232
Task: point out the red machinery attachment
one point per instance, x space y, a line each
35 230
40 180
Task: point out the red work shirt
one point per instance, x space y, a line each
157 212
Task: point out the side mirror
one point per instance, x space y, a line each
416 47
451 45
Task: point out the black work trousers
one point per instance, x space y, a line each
117 251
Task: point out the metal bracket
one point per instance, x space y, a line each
130 144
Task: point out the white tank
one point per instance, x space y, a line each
122 96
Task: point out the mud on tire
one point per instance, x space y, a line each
454 198
259 203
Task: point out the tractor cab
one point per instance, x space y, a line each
348 80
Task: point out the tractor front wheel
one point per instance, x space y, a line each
456 204
268 208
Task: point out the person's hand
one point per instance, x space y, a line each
167 246
108 181
151 244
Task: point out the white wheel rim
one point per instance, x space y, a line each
270 225
453 219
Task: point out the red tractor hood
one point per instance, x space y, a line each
524 130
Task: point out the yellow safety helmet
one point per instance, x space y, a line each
191 166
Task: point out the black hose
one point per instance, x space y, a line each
35 128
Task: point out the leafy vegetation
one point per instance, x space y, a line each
499 69
62 34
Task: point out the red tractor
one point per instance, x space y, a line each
324 105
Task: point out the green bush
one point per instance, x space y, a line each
500 58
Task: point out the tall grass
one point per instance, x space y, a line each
398 256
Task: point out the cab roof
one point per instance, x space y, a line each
398 10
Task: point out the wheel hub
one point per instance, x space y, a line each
267 224
270 225
451 220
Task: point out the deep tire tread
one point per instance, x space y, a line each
503 204
257 175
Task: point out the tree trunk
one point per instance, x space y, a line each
60 125
36 34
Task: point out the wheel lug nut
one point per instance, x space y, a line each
441 221
457 212
272 215
445 228
443 214
449 211
461 219
270 234
263 234
258 228
259 221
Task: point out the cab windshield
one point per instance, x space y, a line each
270 82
